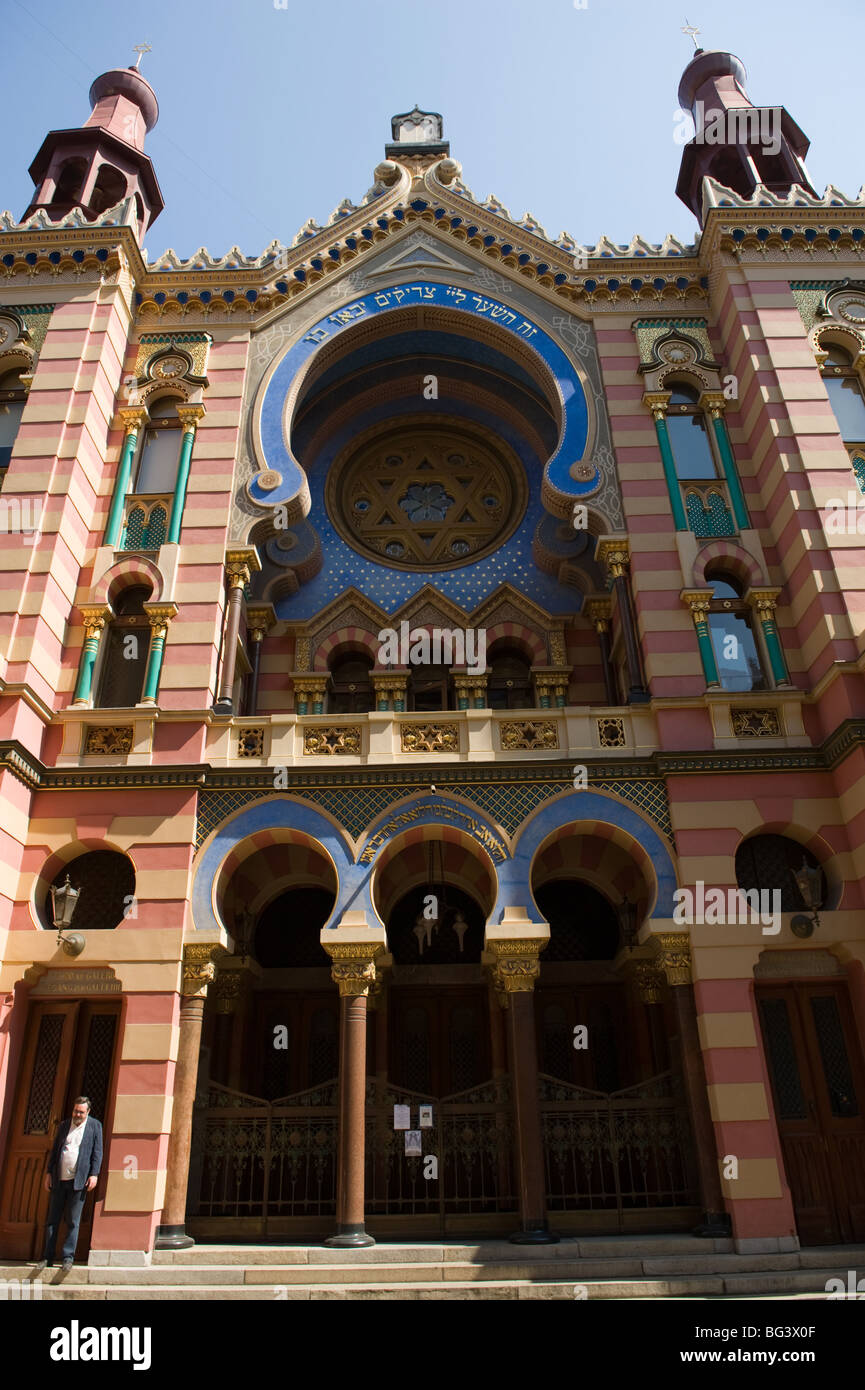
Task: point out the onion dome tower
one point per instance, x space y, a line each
738 144
95 166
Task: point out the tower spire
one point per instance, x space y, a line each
738 144
99 164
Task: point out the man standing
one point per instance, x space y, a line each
73 1167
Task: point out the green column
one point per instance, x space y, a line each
773 646
121 487
704 639
179 499
154 664
462 697
88 660
734 487
670 473
301 703
480 701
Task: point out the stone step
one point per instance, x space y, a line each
416 1290
419 1253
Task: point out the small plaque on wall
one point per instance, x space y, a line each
98 980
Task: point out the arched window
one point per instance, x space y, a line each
351 690
69 182
127 644
688 430
845 393
768 862
737 655
13 398
108 190
159 451
509 685
106 879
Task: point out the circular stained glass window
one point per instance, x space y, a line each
424 495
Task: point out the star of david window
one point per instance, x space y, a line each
429 496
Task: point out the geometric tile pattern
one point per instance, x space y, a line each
508 804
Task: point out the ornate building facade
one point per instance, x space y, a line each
416 641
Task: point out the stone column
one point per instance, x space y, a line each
95 616
673 958
613 552
471 691
599 611
698 601
131 418
159 615
515 968
764 601
354 972
260 619
390 690
239 566
198 971
310 693
715 403
657 402
189 415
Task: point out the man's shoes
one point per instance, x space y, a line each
42 1264
66 1266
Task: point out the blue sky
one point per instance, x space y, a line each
271 116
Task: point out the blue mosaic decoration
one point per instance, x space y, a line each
574 438
141 535
858 466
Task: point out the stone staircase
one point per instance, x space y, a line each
645 1267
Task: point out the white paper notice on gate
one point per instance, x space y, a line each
402 1117
413 1146
426 1119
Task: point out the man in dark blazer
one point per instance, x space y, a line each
73 1167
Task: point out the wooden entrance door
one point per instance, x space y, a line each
69 1051
818 1085
439 1041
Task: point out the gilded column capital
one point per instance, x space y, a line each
353 969
240 565
227 989
189 416
614 553
698 601
764 601
657 402
131 418
648 979
260 618
198 968
599 610
95 617
515 965
713 401
672 956
159 615
310 685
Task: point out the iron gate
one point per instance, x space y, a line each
616 1151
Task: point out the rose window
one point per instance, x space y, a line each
426 496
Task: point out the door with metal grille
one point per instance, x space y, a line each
68 1051
818 1086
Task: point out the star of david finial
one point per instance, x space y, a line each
692 31
141 49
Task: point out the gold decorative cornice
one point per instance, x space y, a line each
713 401
672 956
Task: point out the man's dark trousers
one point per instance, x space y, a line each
65 1203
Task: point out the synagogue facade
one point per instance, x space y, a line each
432 693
